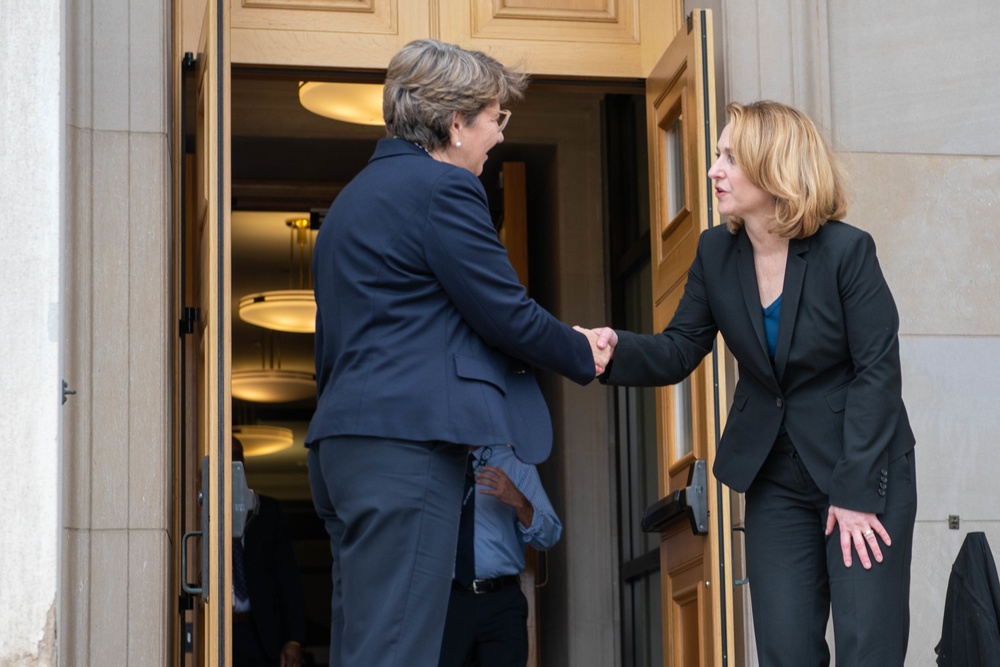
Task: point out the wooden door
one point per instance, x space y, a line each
694 557
211 240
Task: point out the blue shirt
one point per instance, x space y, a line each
500 539
771 316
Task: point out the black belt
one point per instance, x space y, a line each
480 586
242 616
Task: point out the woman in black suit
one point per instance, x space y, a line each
817 436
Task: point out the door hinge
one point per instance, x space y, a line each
189 316
66 391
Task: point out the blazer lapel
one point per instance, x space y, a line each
791 292
751 294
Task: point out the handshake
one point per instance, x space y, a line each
602 344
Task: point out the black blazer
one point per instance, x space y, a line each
273 582
423 331
835 382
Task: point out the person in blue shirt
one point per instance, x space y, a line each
487 613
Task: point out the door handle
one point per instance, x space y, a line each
690 502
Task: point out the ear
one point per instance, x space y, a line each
457 125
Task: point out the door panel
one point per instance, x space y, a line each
211 237
697 606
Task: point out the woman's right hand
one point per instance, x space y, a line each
602 352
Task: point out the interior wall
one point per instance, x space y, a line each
579 604
116 550
907 91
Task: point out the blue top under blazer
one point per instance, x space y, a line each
835 383
423 331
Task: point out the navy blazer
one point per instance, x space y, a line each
835 382
423 331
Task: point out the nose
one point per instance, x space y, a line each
714 171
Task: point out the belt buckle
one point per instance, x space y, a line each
475 586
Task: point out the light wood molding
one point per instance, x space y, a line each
340 16
587 38
559 20
367 6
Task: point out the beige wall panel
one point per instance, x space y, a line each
778 50
950 390
148 62
78 336
930 88
74 619
149 307
330 35
109 585
110 92
80 64
934 219
110 319
149 629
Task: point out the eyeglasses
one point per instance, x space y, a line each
503 119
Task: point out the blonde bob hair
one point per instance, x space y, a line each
428 82
779 149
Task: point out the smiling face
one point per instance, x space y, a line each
477 138
734 191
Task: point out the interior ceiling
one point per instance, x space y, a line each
287 162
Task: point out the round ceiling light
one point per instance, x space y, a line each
359 103
291 310
260 440
273 386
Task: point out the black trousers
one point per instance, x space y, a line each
797 574
487 630
248 649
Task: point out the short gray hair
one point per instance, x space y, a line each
429 81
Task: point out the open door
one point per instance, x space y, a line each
209 228
693 518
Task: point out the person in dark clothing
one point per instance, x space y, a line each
269 623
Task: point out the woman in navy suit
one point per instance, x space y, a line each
817 436
425 344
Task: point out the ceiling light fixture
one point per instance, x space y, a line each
260 440
291 310
359 103
273 385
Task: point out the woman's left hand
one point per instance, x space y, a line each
860 529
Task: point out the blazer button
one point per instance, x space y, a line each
884 472
881 492
778 401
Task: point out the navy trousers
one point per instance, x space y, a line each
391 508
797 574
486 630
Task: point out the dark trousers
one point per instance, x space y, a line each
248 649
796 573
487 630
391 508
